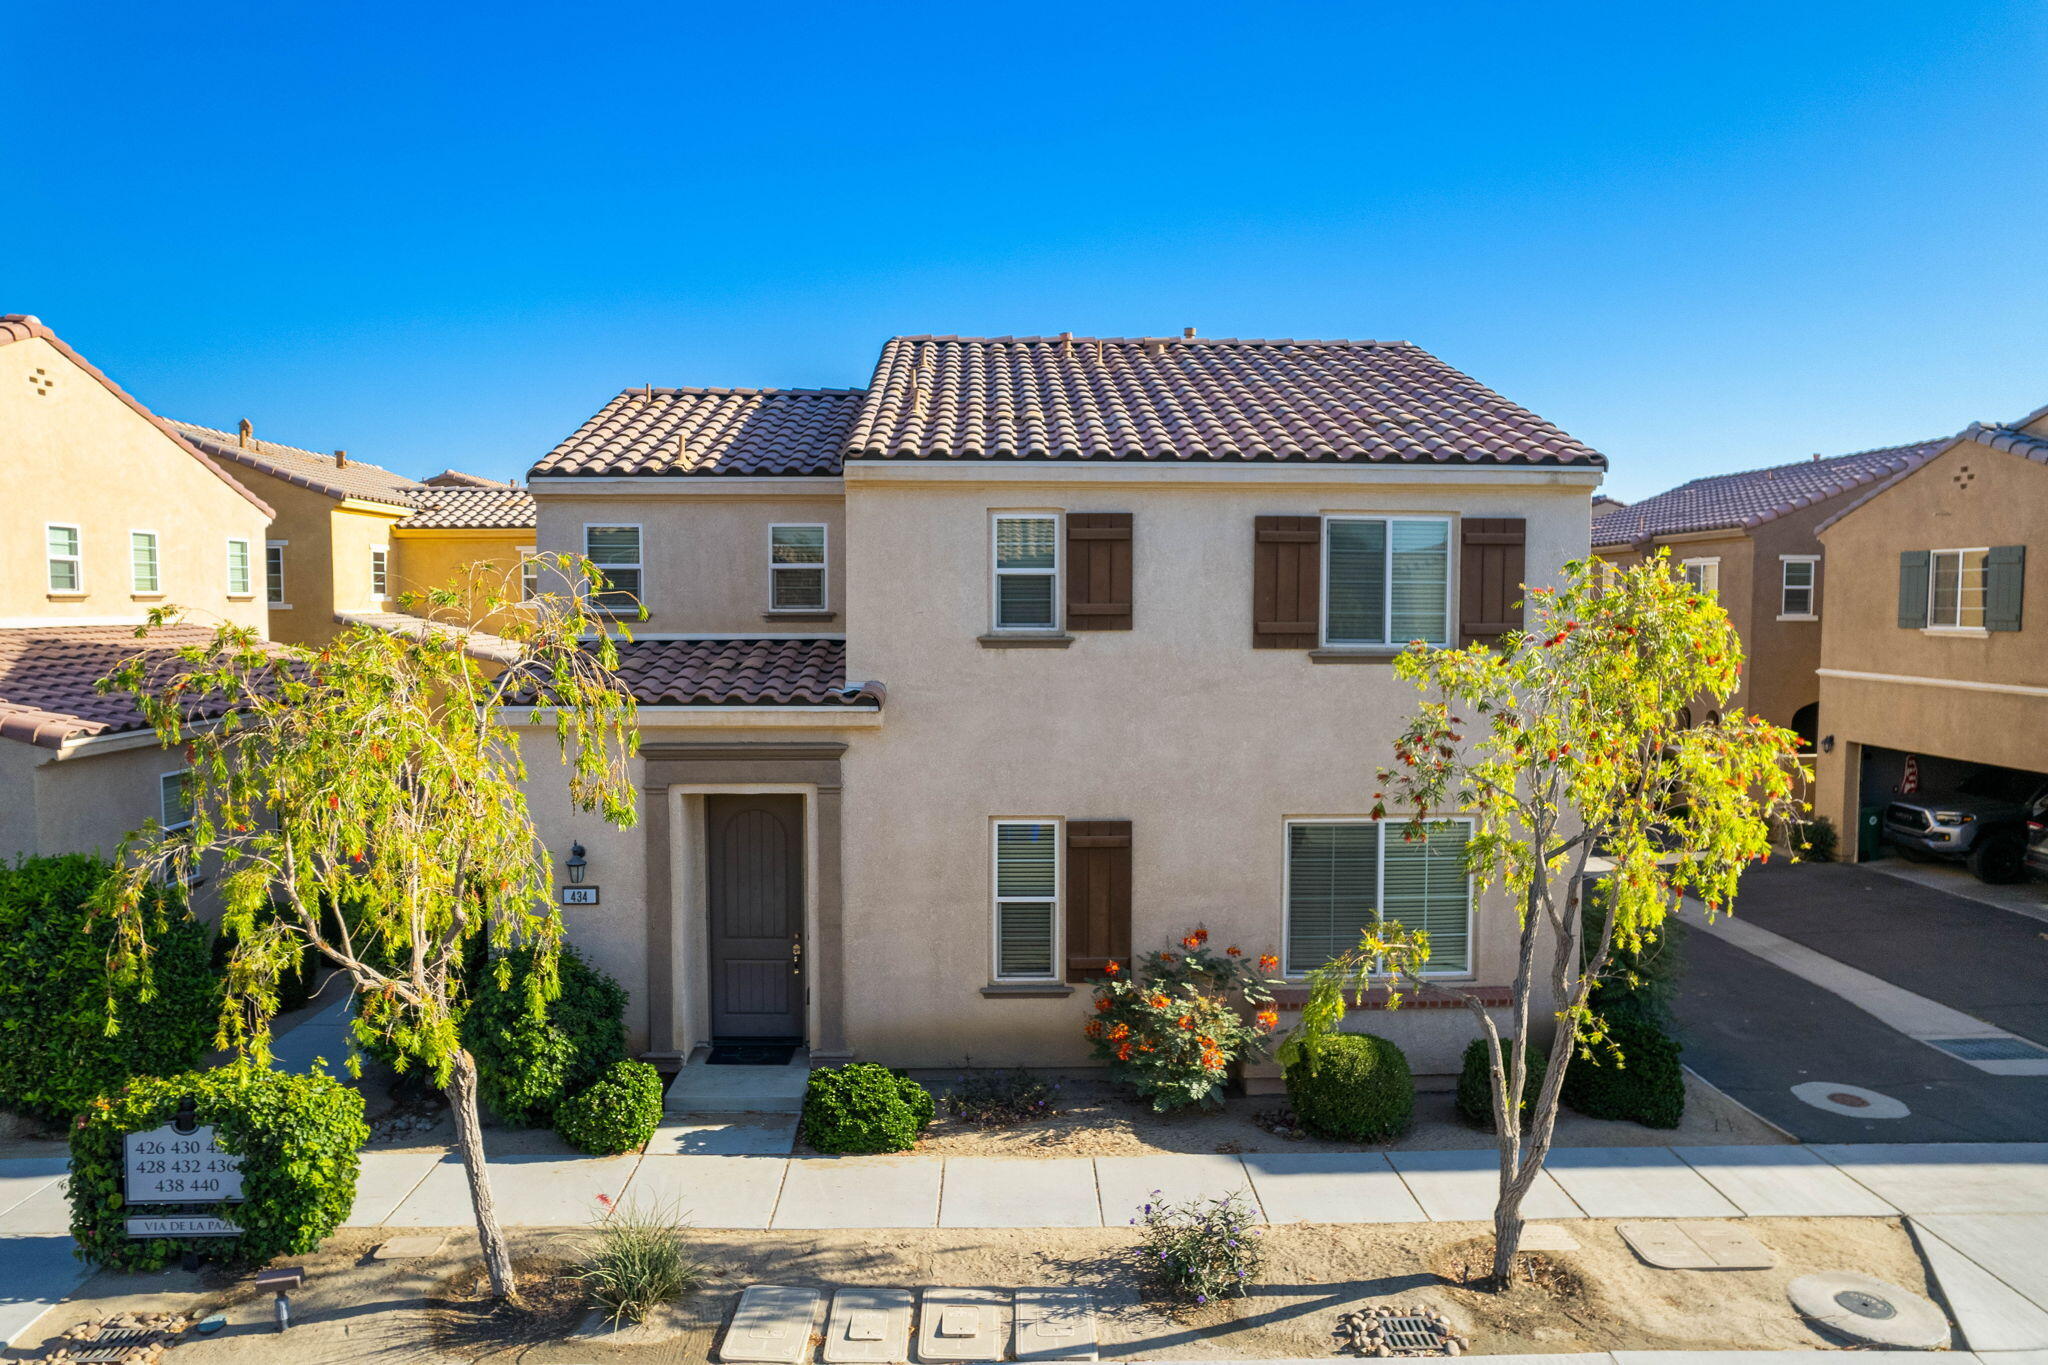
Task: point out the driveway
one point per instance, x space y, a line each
1756 1031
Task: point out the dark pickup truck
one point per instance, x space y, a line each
1989 832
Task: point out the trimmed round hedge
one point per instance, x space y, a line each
1644 1084
616 1113
864 1108
56 1056
1475 1080
1356 1087
525 1066
298 1137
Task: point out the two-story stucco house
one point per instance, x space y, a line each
1035 654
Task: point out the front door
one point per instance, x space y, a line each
756 901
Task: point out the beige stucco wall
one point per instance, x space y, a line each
1738 579
303 516
76 454
82 804
705 549
425 560
1968 496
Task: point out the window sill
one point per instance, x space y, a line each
241 597
1353 656
1027 990
75 595
1784 617
1964 632
145 597
1020 640
799 616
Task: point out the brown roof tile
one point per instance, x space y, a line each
466 508
47 675
736 672
456 478
1752 497
1189 399
305 468
711 432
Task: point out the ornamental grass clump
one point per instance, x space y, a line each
639 1260
1171 1026
1203 1249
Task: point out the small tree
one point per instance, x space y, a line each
1565 744
379 774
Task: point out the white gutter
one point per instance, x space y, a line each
1959 684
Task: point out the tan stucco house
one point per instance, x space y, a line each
110 511
1749 538
1032 654
1935 650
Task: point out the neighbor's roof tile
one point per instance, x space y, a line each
711 432
305 468
465 508
1754 496
735 672
47 674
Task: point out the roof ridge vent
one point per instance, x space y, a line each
341 459
244 433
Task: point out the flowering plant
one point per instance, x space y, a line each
1171 1024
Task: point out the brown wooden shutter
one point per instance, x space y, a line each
1287 582
1098 897
1490 572
1098 571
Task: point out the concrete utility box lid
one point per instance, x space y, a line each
1697 1246
868 1325
1869 1310
411 1248
962 1324
772 1325
1056 1324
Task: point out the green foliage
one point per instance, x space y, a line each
1172 1024
298 1137
1631 1072
297 977
527 1062
1001 1099
1475 1080
1815 840
1201 1250
56 993
864 1108
615 1113
639 1260
1354 1087
1641 976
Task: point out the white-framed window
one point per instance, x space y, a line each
1344 875
529 573
238 567
1702 575
796 567
1027 900
174 799
143 573
380 571
67 559
1386 580
273 572
1026 588
1799 587
615 549
1955 588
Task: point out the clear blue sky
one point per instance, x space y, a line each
1698 237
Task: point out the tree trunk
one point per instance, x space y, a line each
1507 1237
469 1137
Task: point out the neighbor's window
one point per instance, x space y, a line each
1386 580
1955 588
238 568
529 573
273 573
1027 879
1796 596
1703 575
142 567
1027 572
380 571
1345 876
796 568
67 567
174 799
616 551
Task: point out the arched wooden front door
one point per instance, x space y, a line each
755 886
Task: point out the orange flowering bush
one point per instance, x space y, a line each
1171 1024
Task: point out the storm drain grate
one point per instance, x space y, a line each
2006 1049
1413 1334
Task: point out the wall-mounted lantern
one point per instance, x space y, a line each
576 865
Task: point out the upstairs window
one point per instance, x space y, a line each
796 568
238 568
143 576
1027 881
174 799
529 573
1386 580
66 565
1345 877
380 571
1027 567
1703 576
1796 592
273 573
615 550
1955 589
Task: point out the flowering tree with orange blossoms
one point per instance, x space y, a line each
1564 745
1171 1024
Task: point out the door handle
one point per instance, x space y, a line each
796 956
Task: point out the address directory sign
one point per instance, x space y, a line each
165 1166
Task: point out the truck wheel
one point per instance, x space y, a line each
1999 859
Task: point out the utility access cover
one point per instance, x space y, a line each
772 1326
1870 1311
868 1325
963 1324
1056 1324
1697 1246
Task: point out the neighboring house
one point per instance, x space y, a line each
110 511
1749 539
1099 583
478 535
1935 649
1602 504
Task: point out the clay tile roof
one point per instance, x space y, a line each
1190 399
2009 438
711 432
305 468
1754 496
21 327
736 672
456 478
47 675
465 508
474 642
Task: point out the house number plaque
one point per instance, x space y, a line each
579 895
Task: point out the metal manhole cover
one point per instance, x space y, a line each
1866 1305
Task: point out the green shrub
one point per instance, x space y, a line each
525 1066
615 1113
1203 1249
1475 1080
56 1055
297 1135
1633 1073
864 1108
1815 840
1637 980
1356 1086
639 1260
